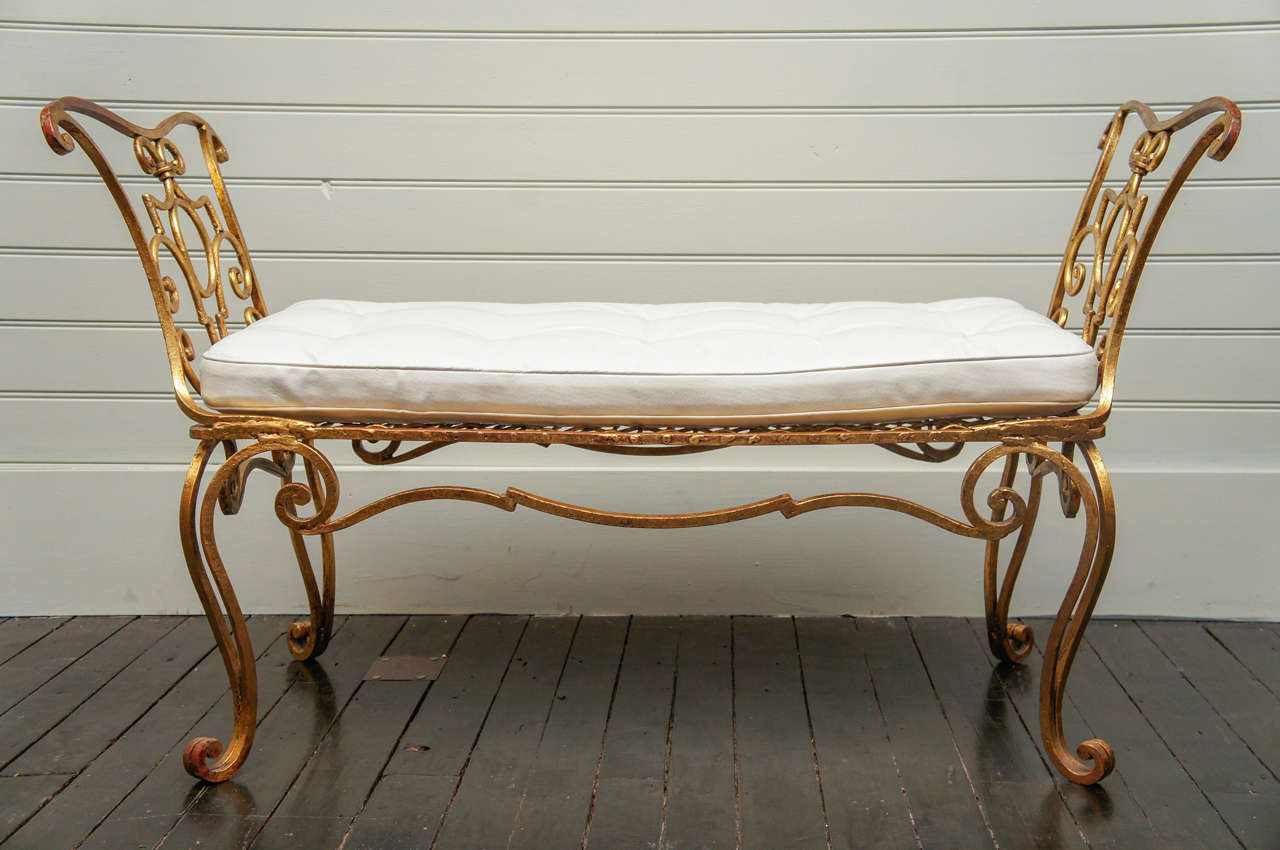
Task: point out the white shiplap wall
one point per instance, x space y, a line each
496 149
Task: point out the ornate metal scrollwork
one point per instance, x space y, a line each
207 758
178 229
1009 512
1107 249
1093 759
306 638
323 492
926 452
391 453
1114 230
1010 642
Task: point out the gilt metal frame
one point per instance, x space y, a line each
1107 249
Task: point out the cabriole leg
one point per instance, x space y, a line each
207 758
1093 759
1010 642
308 638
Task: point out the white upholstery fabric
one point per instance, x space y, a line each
701 364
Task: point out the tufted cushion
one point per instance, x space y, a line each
699 364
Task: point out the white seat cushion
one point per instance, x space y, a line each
654 364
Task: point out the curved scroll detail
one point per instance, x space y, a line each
280 464
1007 511
391 452
187 232
308 638
926 452
324 489
1114 230
1068 495
1093 759
1010 642
207 758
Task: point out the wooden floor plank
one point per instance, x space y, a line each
225 815
332 788
406 806
1022 805
557 797
18 633
441 736
39 663
487 800
154 742
22 795
1108 815
83 734
632 779
865 803
47 706
547 731
1239 786
1180 813
1241 700
1256 646
701 807
943 804
156 804
404 810
778 787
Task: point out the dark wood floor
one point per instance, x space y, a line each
691 732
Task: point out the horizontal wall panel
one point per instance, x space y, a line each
654 15
1157 367
629 146
1208 293
831 71
102 539
151 430
75 213
94 430
1171 367
813 150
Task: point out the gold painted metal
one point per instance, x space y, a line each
1106 252
391 452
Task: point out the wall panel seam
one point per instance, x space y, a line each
142 182
148 325
1080 31
165 396
1100 109
557 257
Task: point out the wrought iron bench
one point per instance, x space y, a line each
919 380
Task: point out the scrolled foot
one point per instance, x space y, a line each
1016 643
201 751
1097 762
1094 759
1009 642
302 642
308 638
208 758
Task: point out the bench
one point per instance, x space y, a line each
401 380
